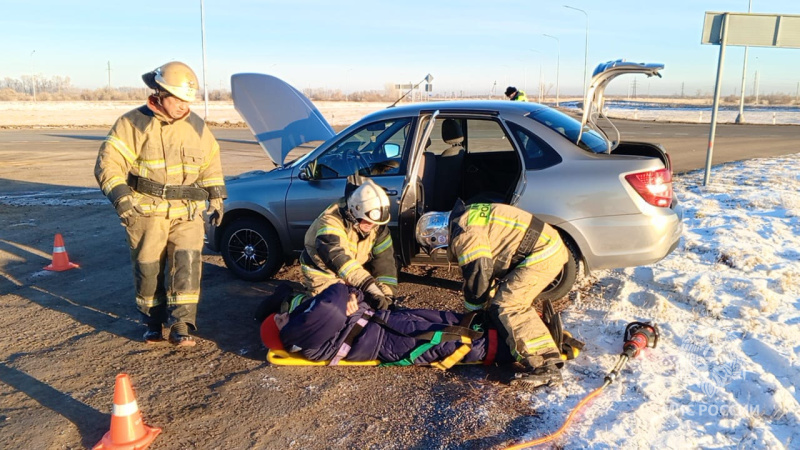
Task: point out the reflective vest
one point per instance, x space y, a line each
520 97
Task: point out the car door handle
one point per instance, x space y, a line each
391 192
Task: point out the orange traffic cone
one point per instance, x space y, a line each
127 430
60 259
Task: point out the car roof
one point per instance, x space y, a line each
456 106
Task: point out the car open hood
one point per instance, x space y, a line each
280 116
595 98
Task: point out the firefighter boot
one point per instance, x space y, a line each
179 335
547 375
154 333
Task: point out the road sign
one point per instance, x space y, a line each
758 30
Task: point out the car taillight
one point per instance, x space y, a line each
655 186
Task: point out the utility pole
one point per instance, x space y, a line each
203 38
558 62
33 82
740 117
585 49
109 75
755 87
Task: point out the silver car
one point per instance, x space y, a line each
612 201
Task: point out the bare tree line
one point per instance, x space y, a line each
59 88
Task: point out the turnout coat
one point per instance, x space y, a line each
319 326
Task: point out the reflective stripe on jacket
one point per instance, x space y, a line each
337 250
484 238
170 152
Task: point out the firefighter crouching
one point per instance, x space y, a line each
350 242
504 243
158 166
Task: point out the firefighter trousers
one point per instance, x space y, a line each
528 336
158 244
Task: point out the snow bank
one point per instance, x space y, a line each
726 371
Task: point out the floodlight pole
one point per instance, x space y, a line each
33 82
586 49
558 61
740 117
539 89
203 37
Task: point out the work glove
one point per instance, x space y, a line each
375 297
215 211
127 209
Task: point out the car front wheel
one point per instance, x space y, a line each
251 249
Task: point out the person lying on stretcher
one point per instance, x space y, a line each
338 325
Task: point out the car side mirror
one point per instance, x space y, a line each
307 171
392 150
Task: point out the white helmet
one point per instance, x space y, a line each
174 77
433 230
369 202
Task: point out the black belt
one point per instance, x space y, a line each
528 241
166 191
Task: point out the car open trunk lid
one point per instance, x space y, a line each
280 116
595 98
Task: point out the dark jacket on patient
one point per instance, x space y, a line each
318 327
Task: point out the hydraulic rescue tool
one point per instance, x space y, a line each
638 336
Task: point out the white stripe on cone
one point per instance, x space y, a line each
125 410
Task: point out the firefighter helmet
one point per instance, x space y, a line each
433 230
174 77
369 202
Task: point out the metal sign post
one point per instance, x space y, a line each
715 107
744 29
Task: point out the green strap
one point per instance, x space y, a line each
436 339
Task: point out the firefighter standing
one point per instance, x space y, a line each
504 243
350 242
514 95
158 166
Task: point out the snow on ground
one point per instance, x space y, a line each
726 371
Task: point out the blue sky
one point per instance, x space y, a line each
466 45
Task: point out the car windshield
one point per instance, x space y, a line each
569 128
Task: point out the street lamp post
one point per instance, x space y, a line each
586 48
558 62
203 39
740 117
539 90
33 79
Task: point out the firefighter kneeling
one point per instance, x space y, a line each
500 242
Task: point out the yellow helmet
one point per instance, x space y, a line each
174 77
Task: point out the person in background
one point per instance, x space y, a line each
515 95
158 166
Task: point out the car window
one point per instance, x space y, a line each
487 136
373 150
538 155
569 128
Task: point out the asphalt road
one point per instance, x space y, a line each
67 150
